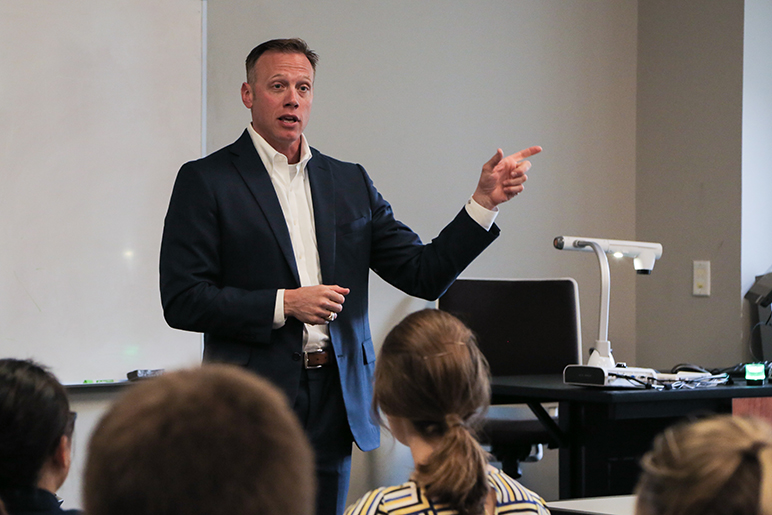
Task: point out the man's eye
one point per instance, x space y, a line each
304 88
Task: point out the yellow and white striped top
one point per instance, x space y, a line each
410 499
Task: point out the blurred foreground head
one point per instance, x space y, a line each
36 427
211 440
717 466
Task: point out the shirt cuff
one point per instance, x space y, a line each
278 310
484 217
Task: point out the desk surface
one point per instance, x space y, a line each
603 432
611 505
546 388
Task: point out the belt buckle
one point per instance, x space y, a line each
305 358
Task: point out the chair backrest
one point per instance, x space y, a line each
523 326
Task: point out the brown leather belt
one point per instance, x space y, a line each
317 359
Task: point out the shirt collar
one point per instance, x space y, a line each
30 499
269 155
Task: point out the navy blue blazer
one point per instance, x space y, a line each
226 250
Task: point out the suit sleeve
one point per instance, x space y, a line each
193 295
423 270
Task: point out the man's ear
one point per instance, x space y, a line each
246 95
63 454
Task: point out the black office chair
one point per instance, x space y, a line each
523 327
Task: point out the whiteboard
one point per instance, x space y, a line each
100 104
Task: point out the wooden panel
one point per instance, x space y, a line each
756 406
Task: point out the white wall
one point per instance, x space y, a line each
756 150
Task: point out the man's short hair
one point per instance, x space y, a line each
216 439
285 46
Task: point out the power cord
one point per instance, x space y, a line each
714 379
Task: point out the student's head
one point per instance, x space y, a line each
717 466
35 427
431 374
216 439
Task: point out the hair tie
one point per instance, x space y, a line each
453 420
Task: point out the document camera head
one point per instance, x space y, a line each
644 254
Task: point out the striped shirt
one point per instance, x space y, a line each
410 499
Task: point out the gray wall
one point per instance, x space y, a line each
422 94
703 173
689 176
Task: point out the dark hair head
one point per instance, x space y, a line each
34 415
216 439
720 465
284 46
431 373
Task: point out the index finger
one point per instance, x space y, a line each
528 152
337 294
340 289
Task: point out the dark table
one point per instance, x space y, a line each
604 432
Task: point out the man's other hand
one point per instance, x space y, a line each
315 305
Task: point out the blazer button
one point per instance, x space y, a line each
296 356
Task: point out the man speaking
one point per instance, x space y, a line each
267 248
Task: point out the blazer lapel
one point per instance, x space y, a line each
323 198
252 170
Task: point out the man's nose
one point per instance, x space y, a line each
292 98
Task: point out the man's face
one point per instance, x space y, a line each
280 97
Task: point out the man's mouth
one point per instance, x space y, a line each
289 118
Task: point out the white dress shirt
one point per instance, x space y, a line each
294 192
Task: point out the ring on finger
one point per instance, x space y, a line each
332 316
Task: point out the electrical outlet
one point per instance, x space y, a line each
701 279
